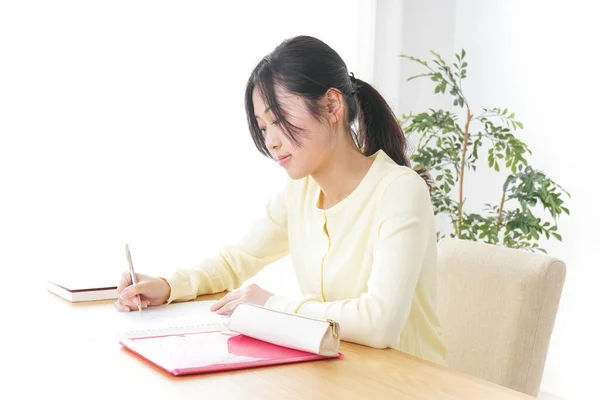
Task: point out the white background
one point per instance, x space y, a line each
123 121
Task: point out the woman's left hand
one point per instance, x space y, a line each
253 294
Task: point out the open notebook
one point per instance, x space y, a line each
213 343
171 319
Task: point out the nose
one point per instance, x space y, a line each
272 139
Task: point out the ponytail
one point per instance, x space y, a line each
308 67
378 127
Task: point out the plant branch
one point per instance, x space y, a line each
429 137
462 170
500 208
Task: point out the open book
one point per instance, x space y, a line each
253 337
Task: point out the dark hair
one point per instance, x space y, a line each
306 66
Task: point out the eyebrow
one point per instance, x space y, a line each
266 111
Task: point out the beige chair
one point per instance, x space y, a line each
497 308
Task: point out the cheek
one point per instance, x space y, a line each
310 156
312 147
318 143
318 135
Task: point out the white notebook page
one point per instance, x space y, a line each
193 316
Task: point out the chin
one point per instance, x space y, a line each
295 174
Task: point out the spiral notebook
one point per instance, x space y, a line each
174 318
186 338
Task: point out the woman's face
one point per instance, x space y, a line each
315 140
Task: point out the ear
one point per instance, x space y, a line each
335 105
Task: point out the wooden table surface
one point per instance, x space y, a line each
74 353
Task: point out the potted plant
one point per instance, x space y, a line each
530 203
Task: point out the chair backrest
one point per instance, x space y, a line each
497 308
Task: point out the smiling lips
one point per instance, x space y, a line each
283 159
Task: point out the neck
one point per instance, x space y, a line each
341 174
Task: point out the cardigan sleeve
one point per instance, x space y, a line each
266 242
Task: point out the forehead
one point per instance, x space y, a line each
286 100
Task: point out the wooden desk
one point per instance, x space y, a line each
82 360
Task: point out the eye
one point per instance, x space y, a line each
263 131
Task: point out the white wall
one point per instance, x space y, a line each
124 122
538 59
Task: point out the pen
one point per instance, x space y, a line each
132 274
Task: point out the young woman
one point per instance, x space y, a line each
355 218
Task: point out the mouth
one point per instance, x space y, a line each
283 159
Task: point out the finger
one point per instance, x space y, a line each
229 307
133 290
124 281
130 302
226 299
123 308
145 303
120 307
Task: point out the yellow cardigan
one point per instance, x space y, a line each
368 262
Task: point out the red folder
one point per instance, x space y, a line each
196 353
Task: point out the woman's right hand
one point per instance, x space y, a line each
153 291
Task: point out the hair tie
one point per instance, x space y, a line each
352 83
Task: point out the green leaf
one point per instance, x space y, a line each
443 86
418 76
462 55
438 57
556 235
415 59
